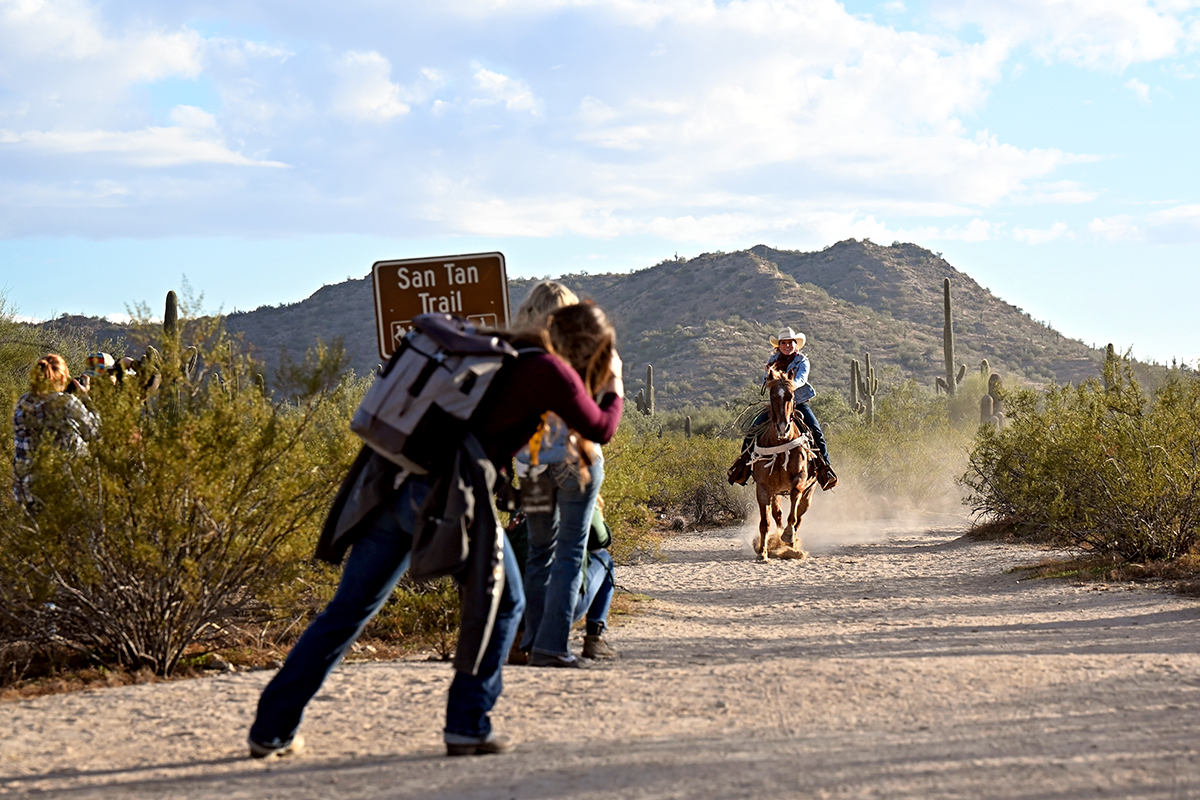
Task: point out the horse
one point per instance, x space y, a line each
780 465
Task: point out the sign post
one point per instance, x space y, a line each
472 286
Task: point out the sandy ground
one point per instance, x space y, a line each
895 662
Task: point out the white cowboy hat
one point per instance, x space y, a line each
788 333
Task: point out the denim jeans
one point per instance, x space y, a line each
596 598
375 563
554 568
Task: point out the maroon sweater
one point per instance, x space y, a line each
512 408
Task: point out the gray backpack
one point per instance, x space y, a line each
415 413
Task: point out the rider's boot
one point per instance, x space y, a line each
825 474
739 473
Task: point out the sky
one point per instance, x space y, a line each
263 149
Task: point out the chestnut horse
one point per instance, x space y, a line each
781 456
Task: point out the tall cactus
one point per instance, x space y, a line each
650 389
1110 367
948 337
854 402
687 427
171 315
867 386
952 378
985 368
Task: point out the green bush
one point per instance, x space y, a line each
1109 469
645 473
911 456
194 507
426 614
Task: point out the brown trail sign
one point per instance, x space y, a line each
473 286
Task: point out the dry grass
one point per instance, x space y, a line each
1180 575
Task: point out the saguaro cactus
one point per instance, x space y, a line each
984 367
950 382
171 315
855 404
991 405
1110 366
867 386
649 389
687 427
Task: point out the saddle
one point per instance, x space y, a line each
739 472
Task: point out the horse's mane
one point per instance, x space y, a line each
777 376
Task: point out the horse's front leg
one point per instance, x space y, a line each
764 525
793 520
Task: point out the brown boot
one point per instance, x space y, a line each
739 473
595 647
825 475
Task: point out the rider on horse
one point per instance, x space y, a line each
788 359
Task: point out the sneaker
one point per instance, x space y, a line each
259 750
537 659
459 745
596 647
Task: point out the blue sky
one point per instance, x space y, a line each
264 149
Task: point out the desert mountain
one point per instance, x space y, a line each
704 322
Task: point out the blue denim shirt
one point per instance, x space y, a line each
797 370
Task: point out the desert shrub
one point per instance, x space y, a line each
195 505
913 454
645 473
1107 468
420 614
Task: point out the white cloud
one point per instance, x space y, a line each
193 139
1035 236
1107 35
497 88
365 90
1175 225
1139 89
61 51
1059 192
681 118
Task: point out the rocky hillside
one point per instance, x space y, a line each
704 322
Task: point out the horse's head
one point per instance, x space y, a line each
782 393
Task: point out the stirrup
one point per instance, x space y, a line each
826 477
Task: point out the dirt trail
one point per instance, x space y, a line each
893 663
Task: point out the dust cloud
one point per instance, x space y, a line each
859 511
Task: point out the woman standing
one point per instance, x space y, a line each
573 469
47 413
522 391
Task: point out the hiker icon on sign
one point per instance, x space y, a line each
399 329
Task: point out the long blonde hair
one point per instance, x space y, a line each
49 374
543 298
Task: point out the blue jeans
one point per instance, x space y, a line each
376 562
554 568
596 599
